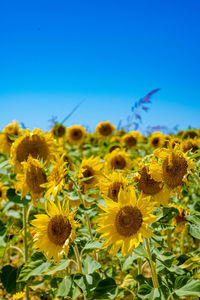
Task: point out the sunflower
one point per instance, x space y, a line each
105 129
110 185
36 143
58 130
3 190
131 139
173 168
125 222
5 140
76 134
89 172
157 139
180 221
118 159
174 142
150 187
31 179
190 145
54 230
191 133
56 179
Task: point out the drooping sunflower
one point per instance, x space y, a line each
131 139
173 167
58 130
125 222
190 145
150 187
110 185
6 141
31 179
90 168
118 159
157 139
56 179
54 230
3 190
38 144
105 129
191 133
75 134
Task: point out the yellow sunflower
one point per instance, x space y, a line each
36 143
5 140
131 139
150 187
105 129
125 222
75 134
56 179
118 159
54 231
173 167
31 179
157 139
58 130
191 133
174 142
110 185
190 145
90 168
3 192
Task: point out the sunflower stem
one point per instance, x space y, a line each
25 244
182 250
169 239
152 265
78 259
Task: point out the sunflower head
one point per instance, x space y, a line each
157 140
174 142
105 129
6 139
146 183
90 172
118 159
131 139
111 184
76 134
37 144
190 145
58 130
31 179
54 230
191 134
126 221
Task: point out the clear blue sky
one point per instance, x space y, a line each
55 53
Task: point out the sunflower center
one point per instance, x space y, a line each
113 190
148 185
76 134
88 172
155 141
34 178
128 220
174 169
59 229
130 141
105 129
59 130
34 146
118 162
180 218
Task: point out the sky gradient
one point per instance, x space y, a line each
54 54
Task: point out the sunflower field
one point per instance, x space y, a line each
104 215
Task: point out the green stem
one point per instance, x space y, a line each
25 244
169 239
152 265
78 258
182 249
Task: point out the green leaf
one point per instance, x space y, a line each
75 293
64 287
190 289
12 137
14 214
191 263
93 245
128 263
165 257
8 278
194 230
3 229
106 289
13 197
62 266
90 265
181 281
194 218
34 268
